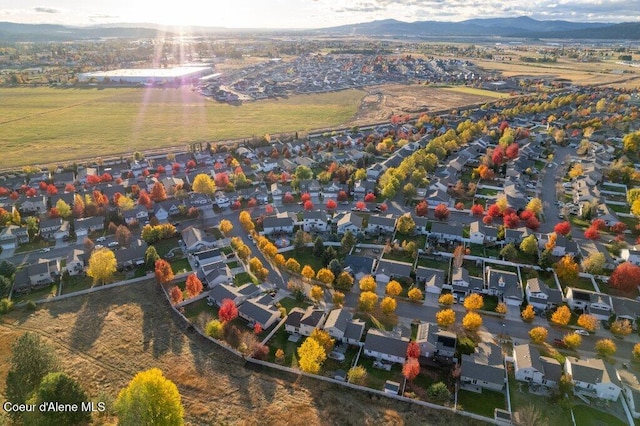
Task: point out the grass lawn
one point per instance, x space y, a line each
477 250
488 192
180 265
520 398
474 270
233 264
580 223
36 245
306 257
41 293
199 313
71 284
433 263
280 341
113 118
490 303
580 282
420 240
164 246
481 403
242 278
289 303
492 252
398 255
589 416
618 209
331 365
376 378
631 222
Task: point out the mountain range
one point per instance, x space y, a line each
520 27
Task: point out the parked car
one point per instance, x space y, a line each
45 250
559 343
113 244
338 356
100 239
582 332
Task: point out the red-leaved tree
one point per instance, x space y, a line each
512 151
619 228
331 204
383 207
477 209
342 196
592 233
441 212
176 295
193 285
228 311
487 220
413 350
370 198
599 224
494 210
268 209
287 198
422 208
533 223
308 205
626 277
305 197
163 271
511 220
411 369
562 228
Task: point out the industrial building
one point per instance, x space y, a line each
147 75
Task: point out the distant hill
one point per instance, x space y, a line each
505 27
10 31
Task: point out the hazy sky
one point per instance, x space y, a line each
306 13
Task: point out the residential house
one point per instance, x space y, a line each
435 343
505 285
631 391
315 221
304 321
516 235
358 266
422 225
374 171
594 378
12 235
138 214
85 226
541 296
563 246
381 224
278 224
631 255
597 304
31 205
36 275
479 233
362 188
483 369
625 308
219 293
341 326
433 279
257 312
55 228
386 346
349 222
131 256
312 187
388 270
76 261
207 257
215 273
160 213
63 179
531 367
462 283
202 202
195 239
444 232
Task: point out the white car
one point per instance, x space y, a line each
45 250
100 239
338 356
582 332
113 244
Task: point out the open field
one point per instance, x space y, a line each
103 339
46 125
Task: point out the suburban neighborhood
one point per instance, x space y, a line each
482 260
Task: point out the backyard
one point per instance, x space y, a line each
520 398
481 403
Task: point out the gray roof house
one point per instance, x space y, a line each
349 222
304 321
484 369
381 224
594 377
505 284
436 343
597 304
540 295
433 279
386 346
281 223
531 367
358 266
391 269
256 312
445 232
196 240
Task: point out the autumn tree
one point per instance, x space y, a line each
576 171
566 269
535 206
311 355
572 340
325 275
123 235
215 329
562 228
176 295
308 272
406 224
357 375
636 352
149 399
473 302
102 265
588 322
509 252
203 184
477 210
388 305
163 271
446 299
338 298
344 281
441 212
446 317
471 321
605 348
529 245
393 288
561 316
621 327
158 192
411 369
367 283
501 308
415 295
292 265
528 314
367 301
538 334
317 293
422 208
413 350
246 222
625 277
348 241
225 227
193 285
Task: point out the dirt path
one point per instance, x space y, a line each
105 338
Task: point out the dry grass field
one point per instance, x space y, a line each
105 338
47 125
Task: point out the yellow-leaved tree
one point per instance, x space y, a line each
367 301
446 317
588 322
393 288
388 305
308 272
561 316
473 302
325 275
102 265
528 314
203 184
538 334
471 321
311 355
149 399
572 340
367 283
